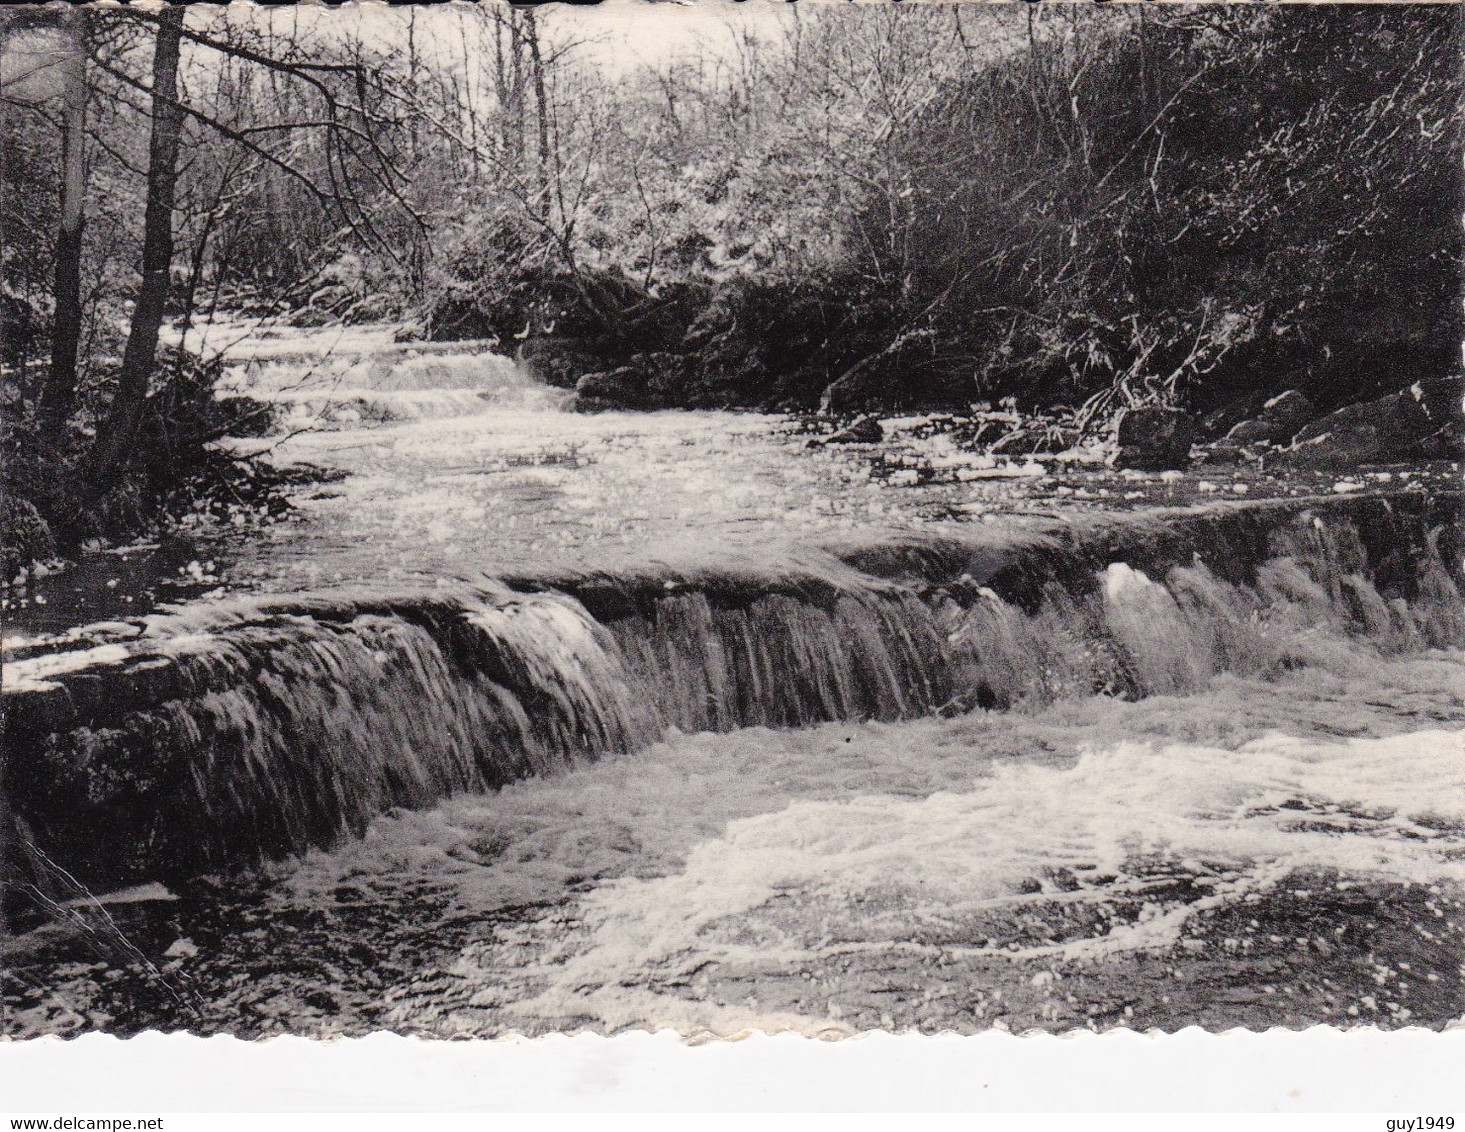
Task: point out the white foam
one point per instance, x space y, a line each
1234 820
36 673
1121 579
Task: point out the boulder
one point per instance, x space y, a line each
620 388
1278 422
1154 439
1289 410
1254 431
1226 453
1421 420
559 360
1222 419
647 381
866 430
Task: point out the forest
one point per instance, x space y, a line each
1074 209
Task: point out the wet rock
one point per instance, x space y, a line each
866 430
1278 422
1222 419
653 380
39 711
1154 439
149 680
559 360
1290 410
1413 422
1255 431
1226 453
620 388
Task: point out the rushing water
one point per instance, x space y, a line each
493 589
1268 852
443 463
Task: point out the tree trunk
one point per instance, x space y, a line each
116 440
413 140
541 108
58 397
514 119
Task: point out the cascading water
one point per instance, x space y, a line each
258 728
403 383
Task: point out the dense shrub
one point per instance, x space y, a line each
1193 206
50 504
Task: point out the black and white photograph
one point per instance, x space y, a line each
815 518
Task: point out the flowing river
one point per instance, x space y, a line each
523 720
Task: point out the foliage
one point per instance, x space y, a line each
1109 208
48 506
1274 209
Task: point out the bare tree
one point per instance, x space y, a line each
349 173
58 396
119 433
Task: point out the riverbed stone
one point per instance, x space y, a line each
620 388
866 430
1412 422
1278 422
559 360
1226 453
1154 439
1220 420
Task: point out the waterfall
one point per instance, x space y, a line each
377 382
196 741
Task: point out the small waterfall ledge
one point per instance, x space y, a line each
221 735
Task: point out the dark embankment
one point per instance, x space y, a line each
189 743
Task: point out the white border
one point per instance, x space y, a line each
1320 1070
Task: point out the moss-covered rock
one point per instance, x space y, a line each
1154 439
